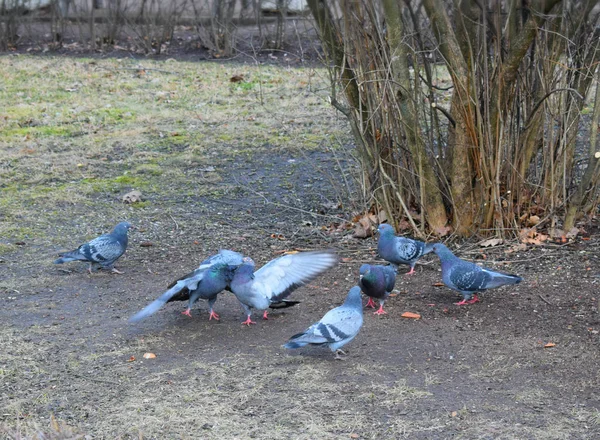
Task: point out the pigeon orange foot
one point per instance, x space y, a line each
464 302
187 313
213 315
370 303
380 311
248 321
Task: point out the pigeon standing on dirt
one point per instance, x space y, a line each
103 250
272 283
377 282
338 327
206 282
467 277
400 250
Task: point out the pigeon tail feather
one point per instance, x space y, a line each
70 256
153 307
283 304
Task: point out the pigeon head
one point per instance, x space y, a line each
385 228
354 299
123 227
428 248
363 269
442 251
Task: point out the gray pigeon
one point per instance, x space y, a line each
467 277
206 282
338 327
272 283
400 250
377 282
104 250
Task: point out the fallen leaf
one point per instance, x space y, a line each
549 345
438 284
516 248
132 197
491 242
354 435
146 244
236 78
149 355
453 414
411 315
131 359
442 231
572 233
533 220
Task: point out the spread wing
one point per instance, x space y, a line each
280 277
180 289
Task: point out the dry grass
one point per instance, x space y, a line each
75 135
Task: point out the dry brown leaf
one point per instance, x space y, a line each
364 226
442 231
131 359
132 197
533 220
146 244
411 315
403 225
550 345
382 217
491 242
516 248
236 78
572 233
149 355
438 284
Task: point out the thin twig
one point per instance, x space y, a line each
174 221
545 300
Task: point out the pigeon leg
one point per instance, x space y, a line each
465 301
248 321
380 311
212 315
90 269
370 303
187 312
113 270
337 355
473 300
412 271
265 315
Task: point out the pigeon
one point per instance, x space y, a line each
467 277
377 282
272 283
206 282
104 250
400 250
338 327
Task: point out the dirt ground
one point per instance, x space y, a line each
71 364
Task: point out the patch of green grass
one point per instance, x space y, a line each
39 131
150 169
6 248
